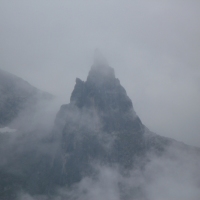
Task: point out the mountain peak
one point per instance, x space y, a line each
100 124
103 93
100 71
101 74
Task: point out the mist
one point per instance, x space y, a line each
175 175
163 178
154 49
153 46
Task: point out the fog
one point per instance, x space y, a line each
175 175
154 48
163 178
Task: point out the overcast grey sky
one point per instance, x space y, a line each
153 45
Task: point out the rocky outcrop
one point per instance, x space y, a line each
100 125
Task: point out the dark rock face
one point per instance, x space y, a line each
23 166
103 95
100 125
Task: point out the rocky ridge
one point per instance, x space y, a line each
100 125
16 96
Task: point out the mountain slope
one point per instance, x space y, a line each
17 95
99 125
22 108
98 146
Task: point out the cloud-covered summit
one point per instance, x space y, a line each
97 138
101 132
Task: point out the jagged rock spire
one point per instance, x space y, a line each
100 124
103 93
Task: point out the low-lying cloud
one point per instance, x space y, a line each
174 176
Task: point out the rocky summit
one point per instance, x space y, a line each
99 125
97 139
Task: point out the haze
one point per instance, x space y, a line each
153 46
